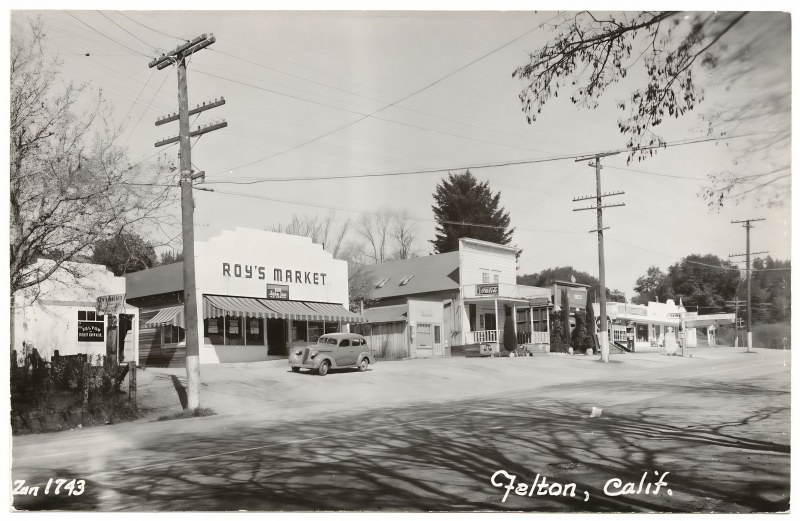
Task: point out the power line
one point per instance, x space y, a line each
694 262
101 34
127 31
444 169
398 101
372 115
150 28
137 97
652 173
147 107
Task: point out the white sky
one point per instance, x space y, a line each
363 61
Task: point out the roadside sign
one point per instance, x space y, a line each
110 304
687 315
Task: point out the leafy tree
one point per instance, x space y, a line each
647 285
556 329
566 330
679 53
170 257
547 277
705 281
124 253
614 295
591 322
509 338
71 185
771 290
461 198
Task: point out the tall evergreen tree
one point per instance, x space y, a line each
461 198
565 316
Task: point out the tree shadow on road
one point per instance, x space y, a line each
437 457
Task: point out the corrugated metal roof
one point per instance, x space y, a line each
398 313
429 273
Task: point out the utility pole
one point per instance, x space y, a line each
178 57
599 209
735 304
748 225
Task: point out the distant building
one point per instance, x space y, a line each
576 294
427 306
649 324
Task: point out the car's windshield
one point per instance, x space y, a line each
326 340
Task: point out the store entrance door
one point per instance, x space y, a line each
276 336
424 344
437 341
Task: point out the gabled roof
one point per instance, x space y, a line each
398 313
428 274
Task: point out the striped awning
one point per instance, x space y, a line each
335 312
168 316
218 306
290 309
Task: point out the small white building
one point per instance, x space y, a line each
650 324
62 317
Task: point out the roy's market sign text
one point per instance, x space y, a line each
278 275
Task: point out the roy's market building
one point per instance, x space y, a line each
259 293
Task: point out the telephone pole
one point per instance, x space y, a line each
178 57
599 209
748 225
735 305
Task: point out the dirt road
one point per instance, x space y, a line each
430 435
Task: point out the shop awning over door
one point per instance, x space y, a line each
169 316
217 306
334 312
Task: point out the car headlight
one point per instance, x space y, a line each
313 354
298 353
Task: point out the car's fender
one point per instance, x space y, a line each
370 358
319 358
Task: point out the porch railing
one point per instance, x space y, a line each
480 337
537 337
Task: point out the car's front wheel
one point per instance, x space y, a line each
363 365
323 368
296 369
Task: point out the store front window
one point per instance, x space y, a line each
331 327
173 334
234 336
254 331
641 333
315 330
299 331
213 330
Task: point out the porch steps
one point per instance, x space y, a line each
534 349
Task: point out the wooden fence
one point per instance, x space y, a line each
385 340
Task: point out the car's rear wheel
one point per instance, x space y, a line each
323 368
296 369
363 365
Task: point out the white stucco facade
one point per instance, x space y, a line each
63 305
244 261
